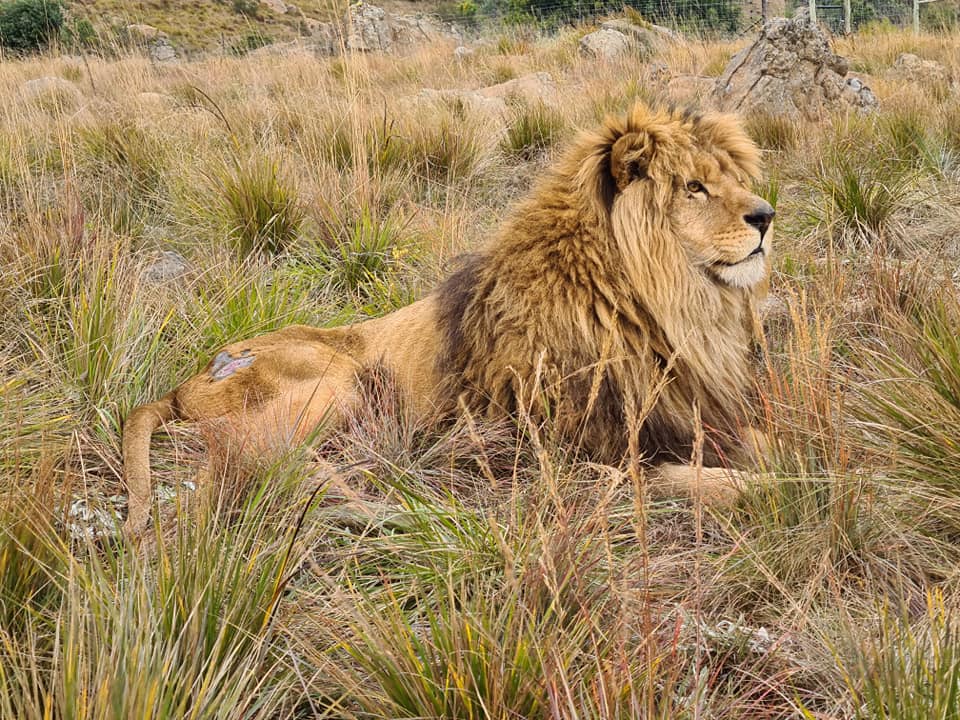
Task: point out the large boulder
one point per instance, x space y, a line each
52 92
619 37
534 88
791 70
646 34
325 38
372 29
605 44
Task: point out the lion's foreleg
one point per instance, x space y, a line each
718 487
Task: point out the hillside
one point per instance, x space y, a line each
212 25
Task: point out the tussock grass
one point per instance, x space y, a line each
533 128
912 669
860 197
458 572
773 132
260 206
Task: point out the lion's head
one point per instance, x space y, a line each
686 177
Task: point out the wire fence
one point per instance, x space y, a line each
710 17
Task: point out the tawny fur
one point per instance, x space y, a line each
624 284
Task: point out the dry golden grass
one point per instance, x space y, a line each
461 575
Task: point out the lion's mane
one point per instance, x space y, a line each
595 308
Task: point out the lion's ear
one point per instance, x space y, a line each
630 157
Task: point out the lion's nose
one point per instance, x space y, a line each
761 217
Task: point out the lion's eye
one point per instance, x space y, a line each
695 186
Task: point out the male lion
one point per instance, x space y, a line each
620 292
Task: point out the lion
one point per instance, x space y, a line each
621 292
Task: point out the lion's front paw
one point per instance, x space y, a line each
719 487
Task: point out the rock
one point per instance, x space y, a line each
160 50
647 37
293 48
143 32
326 39
93 517
535 87
367 29
646 34
372 29
52 92
605 44
171 265
619 37
490 107
277 6
910 68
154 41
790 70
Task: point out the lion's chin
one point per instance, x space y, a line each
744 274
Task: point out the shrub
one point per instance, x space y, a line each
79 34
250 42
250 8
28 25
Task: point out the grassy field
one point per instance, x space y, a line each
459 575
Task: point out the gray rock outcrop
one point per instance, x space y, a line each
791 70
155 42
372 29
605 44
618 37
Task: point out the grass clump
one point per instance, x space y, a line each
364 252
860 196
910 670
913 402
181 640
260 206
773 132
532 129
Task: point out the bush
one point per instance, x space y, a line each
250 8
79 34
28 25
250 42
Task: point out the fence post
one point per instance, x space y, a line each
763 11
847 24
813 12
916 17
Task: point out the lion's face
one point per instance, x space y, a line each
724 227
693 175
